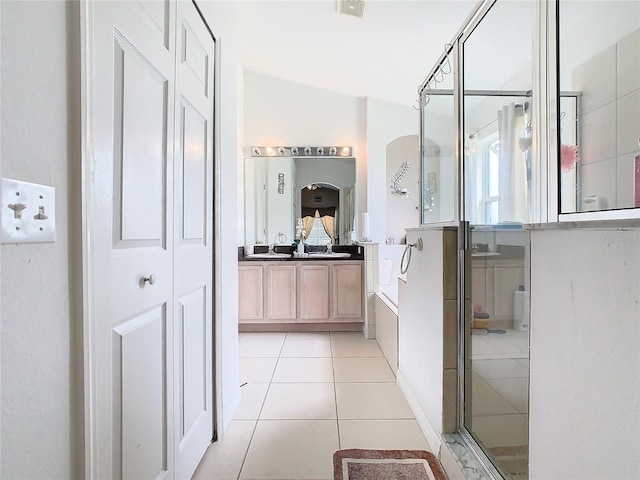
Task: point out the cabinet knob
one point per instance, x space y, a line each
151 279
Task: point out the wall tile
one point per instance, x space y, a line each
596 79
450 401
628 122
371 309
450 267
450 328
598 134
626 179
600 179
629 63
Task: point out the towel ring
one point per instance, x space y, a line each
418 246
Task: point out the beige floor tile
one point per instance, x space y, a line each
486 401
500 368
292 449
261 344
513 390
351 370
257 370
502 430
299 401
223 459
304 370
382 434
253 395
371 401
354 345
307 345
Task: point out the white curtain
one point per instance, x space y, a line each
512 181
473 182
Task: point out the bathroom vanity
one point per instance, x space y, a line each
306 294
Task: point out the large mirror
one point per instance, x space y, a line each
293 197
599 62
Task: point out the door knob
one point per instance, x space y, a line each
151 279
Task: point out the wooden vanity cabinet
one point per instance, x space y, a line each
300 292
250 292
347 292
280 289
313 294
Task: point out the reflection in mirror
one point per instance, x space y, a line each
600 61
498 193
320 210
274 203
498 80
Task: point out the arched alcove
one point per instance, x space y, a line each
403 209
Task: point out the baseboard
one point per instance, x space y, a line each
300 327
433 437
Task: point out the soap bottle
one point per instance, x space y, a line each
300 248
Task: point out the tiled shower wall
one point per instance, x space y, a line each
610 123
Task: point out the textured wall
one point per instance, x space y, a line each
585 355
41 329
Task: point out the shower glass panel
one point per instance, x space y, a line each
599 61
439 193
498 203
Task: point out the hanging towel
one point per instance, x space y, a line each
568 157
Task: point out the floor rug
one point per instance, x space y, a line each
358 464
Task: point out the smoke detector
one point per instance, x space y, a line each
351 7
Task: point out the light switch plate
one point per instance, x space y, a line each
27 213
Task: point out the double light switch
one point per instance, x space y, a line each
27 213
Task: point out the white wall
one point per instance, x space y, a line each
220 17
420 333
585 355
278 112
41 327
385 122
42 382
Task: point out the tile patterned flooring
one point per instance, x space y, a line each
500 398
307 395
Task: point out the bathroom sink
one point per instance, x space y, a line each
330 255
269 255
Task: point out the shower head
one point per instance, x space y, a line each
525 143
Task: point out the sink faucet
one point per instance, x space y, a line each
271 248
329 247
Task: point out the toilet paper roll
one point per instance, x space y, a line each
366 233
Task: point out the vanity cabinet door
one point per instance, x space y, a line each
281 292
313 292
347 291
250 292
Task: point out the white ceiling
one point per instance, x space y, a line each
385 55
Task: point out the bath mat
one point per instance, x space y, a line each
359 464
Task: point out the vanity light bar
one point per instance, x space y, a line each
330 151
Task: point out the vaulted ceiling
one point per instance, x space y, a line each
386 54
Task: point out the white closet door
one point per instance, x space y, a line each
193 174
131 68
148 261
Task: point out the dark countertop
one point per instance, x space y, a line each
356 251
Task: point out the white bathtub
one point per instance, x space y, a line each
387 301
388 272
